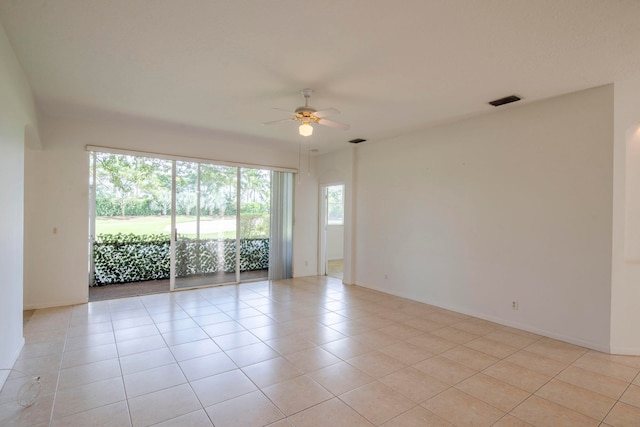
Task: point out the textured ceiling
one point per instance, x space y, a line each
390 67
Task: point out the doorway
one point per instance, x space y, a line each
332 226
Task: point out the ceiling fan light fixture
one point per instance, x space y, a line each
306 129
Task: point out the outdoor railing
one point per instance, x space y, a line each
130 258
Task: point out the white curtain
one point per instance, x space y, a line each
281 239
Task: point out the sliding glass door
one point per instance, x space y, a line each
255 207
205 224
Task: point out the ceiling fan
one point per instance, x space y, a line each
307 115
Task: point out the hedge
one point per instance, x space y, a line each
124 258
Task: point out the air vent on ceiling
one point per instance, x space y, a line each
505 100
357 141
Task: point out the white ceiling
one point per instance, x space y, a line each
390 67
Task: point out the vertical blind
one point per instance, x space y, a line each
281 239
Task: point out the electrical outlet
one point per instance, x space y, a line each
514 305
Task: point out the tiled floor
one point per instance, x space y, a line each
306 352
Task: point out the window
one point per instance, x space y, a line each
335 205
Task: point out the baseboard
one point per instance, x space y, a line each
55 304
12 361
571 340
627 351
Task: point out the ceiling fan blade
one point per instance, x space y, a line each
286 111
333 124
327 112
278 121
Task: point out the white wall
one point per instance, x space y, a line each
625 292
513 205
57 195
17 114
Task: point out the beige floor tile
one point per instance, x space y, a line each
173 338
509 421
471 358
377 402
606 367
115 414
153 379
417 417
85 374
454 334
194 349
401 331
536 362
376 338
312 359
376 364
633 361
205 366
511 339
12 414
281 423
462 409
221 387
45 348
213 318
340 377
334 413
476 326
586 402
250 354
235 340
140 345
632 396
256 321
424 325
89 396
432 343
289 344
296 394
347 348
88 329
146 360
132 333
553 349
271 371
163 405
222 328
446 317
91 356
623 415
249 410
406 352
593 381
517 376
491 347
81 357
193 419
414 384
321 335
544 413
492 391
445 369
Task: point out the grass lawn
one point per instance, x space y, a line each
135 224
162 225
